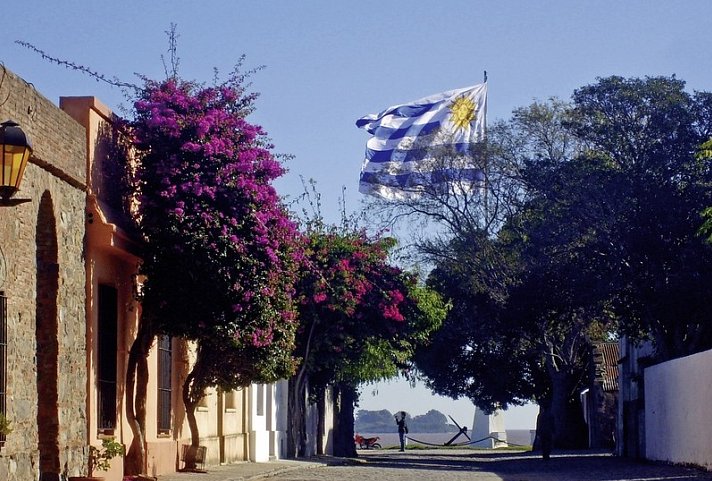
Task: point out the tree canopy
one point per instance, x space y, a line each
600 239
646 132
221 250
361 317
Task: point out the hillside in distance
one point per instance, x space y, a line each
383 421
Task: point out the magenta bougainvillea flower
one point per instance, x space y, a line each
221 253
349 297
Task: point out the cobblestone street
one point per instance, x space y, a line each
468 465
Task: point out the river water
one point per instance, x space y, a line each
514 436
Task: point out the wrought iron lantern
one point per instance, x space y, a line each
15 148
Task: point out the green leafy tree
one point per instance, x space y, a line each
705 151
521 321
603 238
646 132
704 154
475 353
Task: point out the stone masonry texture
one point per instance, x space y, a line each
42 274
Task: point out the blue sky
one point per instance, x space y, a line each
330 62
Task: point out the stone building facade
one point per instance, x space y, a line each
42 279
68 279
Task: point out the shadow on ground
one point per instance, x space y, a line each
528 466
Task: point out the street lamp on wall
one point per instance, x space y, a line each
15 148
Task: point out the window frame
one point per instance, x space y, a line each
164 388
107 362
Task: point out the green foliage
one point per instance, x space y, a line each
481 352
5 425
100 458
383 359
705 151
649 130
600 237
514 304
706 229
705 154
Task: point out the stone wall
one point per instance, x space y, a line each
43 277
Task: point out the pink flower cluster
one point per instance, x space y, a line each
204 192
348 281
350 298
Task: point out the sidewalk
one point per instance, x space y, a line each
247 470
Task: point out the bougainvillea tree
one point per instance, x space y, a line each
220 250
360 319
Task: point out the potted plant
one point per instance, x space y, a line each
100 459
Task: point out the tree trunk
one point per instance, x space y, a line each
568 416
136 391
345 397
296 441
297 436
190 401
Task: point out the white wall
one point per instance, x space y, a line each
259 435
312 426
678 410
278 419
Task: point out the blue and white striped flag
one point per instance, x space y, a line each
424 144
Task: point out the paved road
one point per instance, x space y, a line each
455 465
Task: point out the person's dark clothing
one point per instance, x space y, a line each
402 430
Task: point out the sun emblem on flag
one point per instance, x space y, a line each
463 112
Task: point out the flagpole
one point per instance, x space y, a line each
485 167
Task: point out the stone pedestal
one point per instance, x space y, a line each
489 429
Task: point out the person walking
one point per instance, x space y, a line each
402 428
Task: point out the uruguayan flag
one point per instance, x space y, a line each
424 144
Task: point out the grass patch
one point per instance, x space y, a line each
423 447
